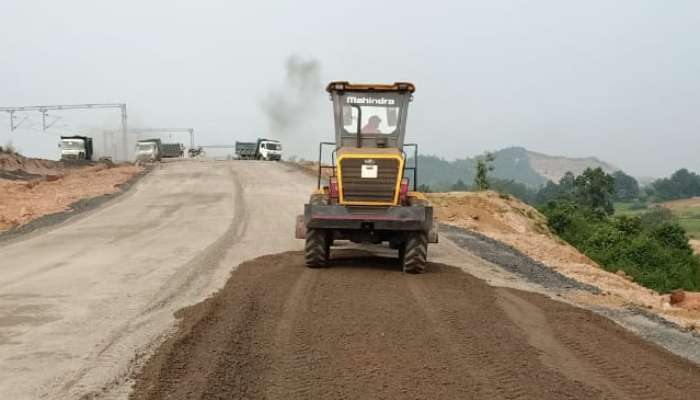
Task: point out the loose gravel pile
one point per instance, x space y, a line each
363 329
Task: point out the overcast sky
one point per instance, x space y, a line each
619 80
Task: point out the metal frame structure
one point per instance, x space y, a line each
414 168
322 166
44 109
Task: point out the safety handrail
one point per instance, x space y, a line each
321 167
414 168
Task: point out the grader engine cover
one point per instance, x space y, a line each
369 176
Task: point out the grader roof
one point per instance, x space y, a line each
343 86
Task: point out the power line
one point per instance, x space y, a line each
44 109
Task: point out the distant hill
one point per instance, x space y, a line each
514 163
554 167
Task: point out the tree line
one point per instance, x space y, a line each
651 247
681 184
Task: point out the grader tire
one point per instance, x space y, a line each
415 254
317 248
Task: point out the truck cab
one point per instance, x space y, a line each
148 150
269 150
75 148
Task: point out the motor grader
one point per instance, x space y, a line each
365 197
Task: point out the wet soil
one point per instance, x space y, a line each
362 329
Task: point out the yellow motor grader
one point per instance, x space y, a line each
367 198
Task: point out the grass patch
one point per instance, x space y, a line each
630 209
688 216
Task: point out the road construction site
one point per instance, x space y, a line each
190 285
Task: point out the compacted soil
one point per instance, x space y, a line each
363 329
80 299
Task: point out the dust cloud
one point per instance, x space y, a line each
287 107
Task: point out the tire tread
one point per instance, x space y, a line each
415 255
316 248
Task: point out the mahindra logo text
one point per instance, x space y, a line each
370 101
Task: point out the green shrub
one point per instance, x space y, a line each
656 216
671 235
652 248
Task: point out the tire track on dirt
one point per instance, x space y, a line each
631 365
485 354
553 353
291 351
201 266
197 271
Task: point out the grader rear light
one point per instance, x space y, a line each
333 188
404 190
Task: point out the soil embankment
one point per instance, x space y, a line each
32 188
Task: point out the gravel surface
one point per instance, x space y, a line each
512 260
642 322
363 329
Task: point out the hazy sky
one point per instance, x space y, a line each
619 80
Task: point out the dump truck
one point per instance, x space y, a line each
368 198
172 150
149 150
76 148
262 149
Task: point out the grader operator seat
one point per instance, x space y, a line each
367 198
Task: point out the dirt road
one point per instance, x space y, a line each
361 329
83 303
79 301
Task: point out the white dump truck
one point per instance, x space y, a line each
76 148
149 150
263 149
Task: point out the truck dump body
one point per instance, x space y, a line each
246 150
171 150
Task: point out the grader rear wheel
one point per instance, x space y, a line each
317 248
414 253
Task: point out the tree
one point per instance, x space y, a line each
567 186
549 192
682 184
594 189
517 189
459 186
483 167
552 191
626 187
